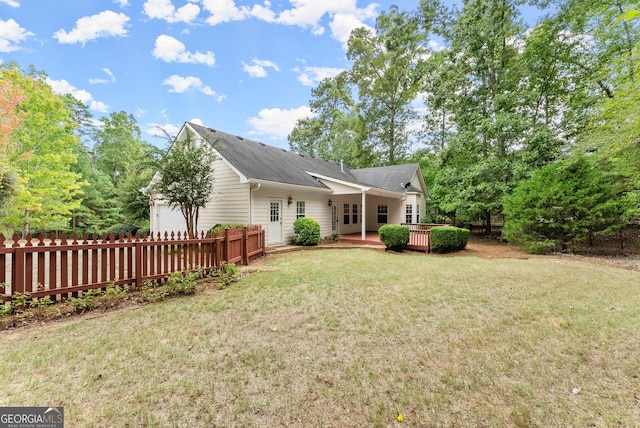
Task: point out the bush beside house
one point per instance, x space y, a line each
306 231
448 239
394 237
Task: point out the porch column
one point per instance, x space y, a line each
363 213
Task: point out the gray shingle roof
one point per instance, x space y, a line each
259 161
394 178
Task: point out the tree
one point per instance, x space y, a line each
118 147
569 200
185 177
484 75
44 146
388 70
10 97
612 135
335 132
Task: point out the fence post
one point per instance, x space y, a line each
225 256
245 250
138 262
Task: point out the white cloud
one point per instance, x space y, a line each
277 123
103 24
345 16
106 71
12 3
122 3
11 33
63 87
165 10
435 45
225 11
170 49
181 84
258 69
158 129
311 76
344 23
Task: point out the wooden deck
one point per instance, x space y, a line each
418 239
371 238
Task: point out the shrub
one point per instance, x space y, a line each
566 202
220 227
540 247
394 237
306 231
448 239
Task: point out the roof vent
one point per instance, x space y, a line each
301 154
239 138
263 144
284 150
212 130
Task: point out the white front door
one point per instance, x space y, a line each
275 222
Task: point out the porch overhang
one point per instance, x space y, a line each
342 187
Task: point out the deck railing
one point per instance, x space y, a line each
420 236
63 266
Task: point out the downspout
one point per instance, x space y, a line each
252 189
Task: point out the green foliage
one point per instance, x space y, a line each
180 283
335 133
446 239
20 302
394 237
388 71
122 228
42 153
228 273
566 201
306 231
540 247
220 227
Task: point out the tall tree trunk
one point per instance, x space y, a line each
487 217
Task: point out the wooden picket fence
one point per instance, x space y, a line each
63 266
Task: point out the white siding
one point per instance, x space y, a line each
316 207
395 211
230 199
229 204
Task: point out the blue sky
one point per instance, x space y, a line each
245 67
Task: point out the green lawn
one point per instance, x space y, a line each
349 338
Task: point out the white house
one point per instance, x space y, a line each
260 184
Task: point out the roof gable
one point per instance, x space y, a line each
259 161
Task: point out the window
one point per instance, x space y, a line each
382 214
275 212
408 214
300 209
346 213
354 213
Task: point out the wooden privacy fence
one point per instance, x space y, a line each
52 266
420 236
